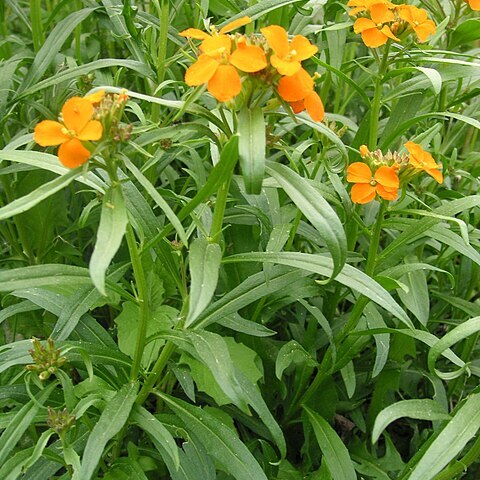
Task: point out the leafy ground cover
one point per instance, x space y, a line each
239 239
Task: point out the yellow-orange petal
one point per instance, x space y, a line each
225 83
314 106
285 67
374 38
249 58
474 4
296 87
72 154
387 193
359 172
424 30
362 24
95 97
93 131
364 151
239 22
303 48
436 174
362 193
217 46
76 113
297 107
387 177
381 14
194 33
201 71
277 39
49 133
387 32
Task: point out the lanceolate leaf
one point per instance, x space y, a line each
204 261
424 409
316 209
111 421
333 449
251 147
113 224
219 440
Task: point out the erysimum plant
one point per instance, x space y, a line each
239 240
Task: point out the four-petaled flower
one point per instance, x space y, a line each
77 126
422 160
374 31
297 90
217 65
287 56
384 183
418 19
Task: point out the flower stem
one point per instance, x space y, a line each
142 295
219 211
377 99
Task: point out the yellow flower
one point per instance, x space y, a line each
418 19
77 126
375 32
474 4
422 160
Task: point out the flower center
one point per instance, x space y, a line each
70 133
373 182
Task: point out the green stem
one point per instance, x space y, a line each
78 35
375 240
37 26
142 293
377 99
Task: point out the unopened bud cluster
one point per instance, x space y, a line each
59 420
47 360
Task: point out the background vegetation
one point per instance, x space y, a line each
237 335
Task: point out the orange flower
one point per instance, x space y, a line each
385 183
417 18
374 32
297 90
474 4
287 56
422 160
365 5
96 97
364 151
201 35
216 66
77 126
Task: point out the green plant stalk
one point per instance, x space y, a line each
325 367
142 293
377 99
461 466
38 36
78 35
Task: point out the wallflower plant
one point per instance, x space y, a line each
239 252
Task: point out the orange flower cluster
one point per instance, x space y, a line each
389 171
474 4
225 60
384 20
82 120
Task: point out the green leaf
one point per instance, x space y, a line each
161 437
111 421
316 209
467 31
349 276
251 148
113 224
42 275
21 421
424 409
459 333
292 352
52 46
26 202
204 261
218 439
158 199
333 449
448 443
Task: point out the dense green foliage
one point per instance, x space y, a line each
201 316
